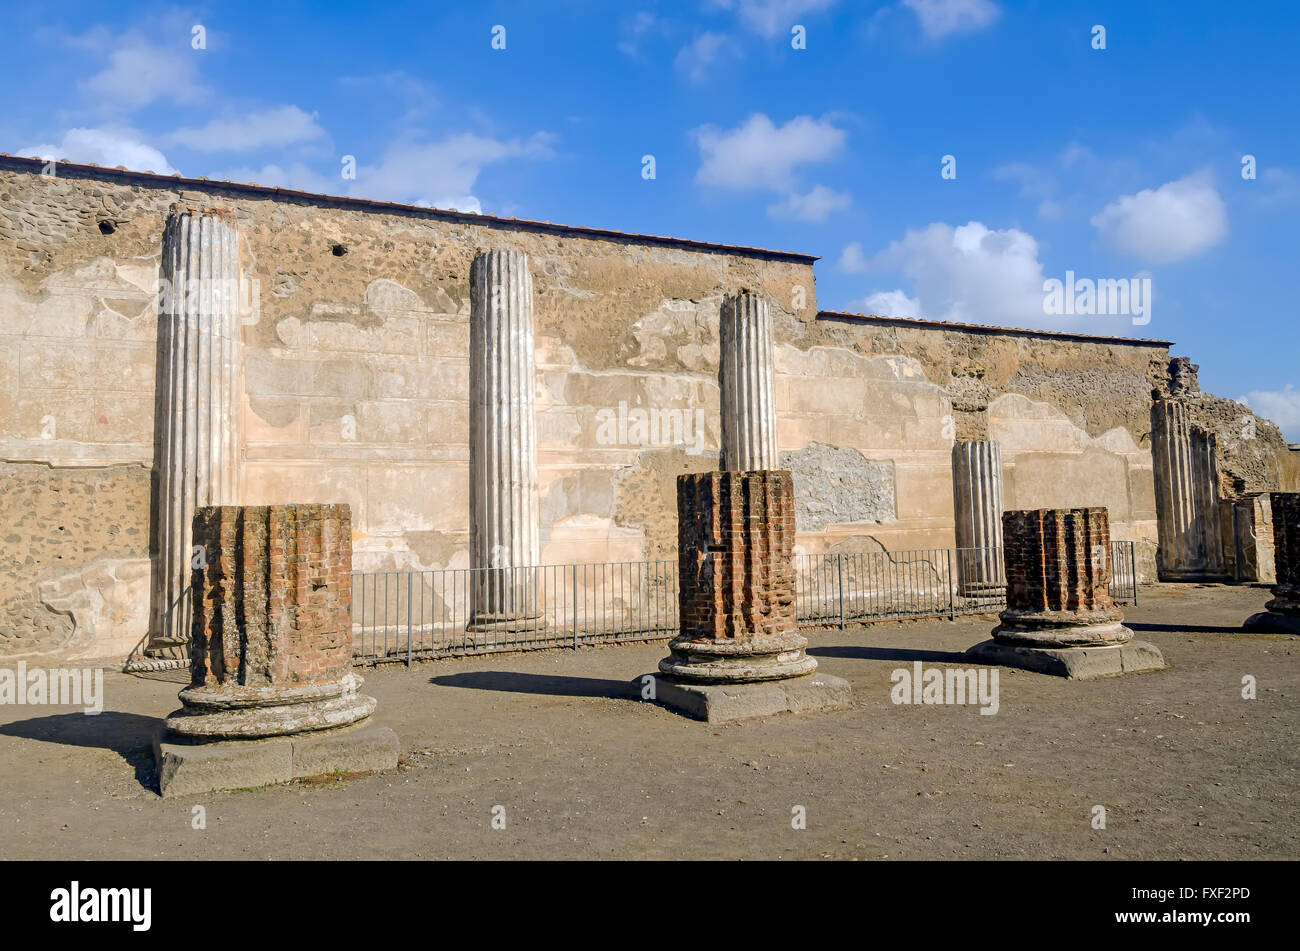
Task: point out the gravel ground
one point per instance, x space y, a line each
1184 766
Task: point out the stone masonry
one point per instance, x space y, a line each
1282 614
271 647
197 417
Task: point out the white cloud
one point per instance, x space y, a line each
296 176
852 260
1279 406
140 72
270 127
772 17
813 205
442 174
888 304
969 273
759 154
1175 221
696 57
633 30
942 18
105 146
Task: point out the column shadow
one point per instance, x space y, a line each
129 735
544 684
889 653
1184 628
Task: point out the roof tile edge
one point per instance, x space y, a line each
992 329
23 164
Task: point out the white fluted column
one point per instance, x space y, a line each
503 510
748 377
198 429
977 510
1186 481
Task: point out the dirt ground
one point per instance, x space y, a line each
1184 766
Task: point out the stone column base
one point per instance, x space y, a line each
235 712
487 623
1055 629
1072 663
751 660
721 703
187 767
1266 622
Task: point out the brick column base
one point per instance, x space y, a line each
271 645
1060 618
735 540
1058 580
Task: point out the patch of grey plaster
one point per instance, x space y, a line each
834 486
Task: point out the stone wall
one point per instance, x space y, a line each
355 389
1071 413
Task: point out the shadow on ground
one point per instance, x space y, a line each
129 735
547 684
1185 628
889 653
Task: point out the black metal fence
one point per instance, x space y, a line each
402 615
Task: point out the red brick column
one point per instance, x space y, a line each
1058 577
271 647
736 597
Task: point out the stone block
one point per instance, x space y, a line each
187 767
722 703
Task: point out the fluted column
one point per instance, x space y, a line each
748 385
1186 481
503 442
197 428
977 509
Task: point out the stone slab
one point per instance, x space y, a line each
722 703
1073 663
187 768
1265 622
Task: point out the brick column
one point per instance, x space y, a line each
737 587
271 648
1282 614
1058 577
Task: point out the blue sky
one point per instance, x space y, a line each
1122 163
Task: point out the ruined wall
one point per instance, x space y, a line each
355 389
1072 415
355 377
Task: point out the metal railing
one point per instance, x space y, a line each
402 615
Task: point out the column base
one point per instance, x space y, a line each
1267 622
188 767
1072 663
722 703
488 623
1057 629
752 660
1175 575
235 712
